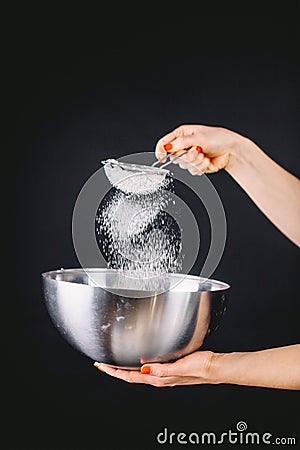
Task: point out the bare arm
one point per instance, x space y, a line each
273 368
208 149
274 190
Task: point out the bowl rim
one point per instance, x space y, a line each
222 285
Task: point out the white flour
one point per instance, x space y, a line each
141 241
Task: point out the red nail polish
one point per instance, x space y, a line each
168 147
145 370
199 149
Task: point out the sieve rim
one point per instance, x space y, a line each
135 167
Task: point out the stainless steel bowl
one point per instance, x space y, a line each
118 327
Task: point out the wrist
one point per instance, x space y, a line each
242 154
223 367
216 369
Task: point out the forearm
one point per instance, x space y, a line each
274 368
274 190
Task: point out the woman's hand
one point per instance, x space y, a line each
192 369
208 149
205 149
274 368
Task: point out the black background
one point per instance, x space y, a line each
73 109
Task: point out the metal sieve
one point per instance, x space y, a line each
136 178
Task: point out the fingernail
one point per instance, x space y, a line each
168 147
96 364
146 370
199 149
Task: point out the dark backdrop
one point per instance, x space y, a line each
70 112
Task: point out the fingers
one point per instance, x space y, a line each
160 150
161 154
179 158
194 160
181 138
176 145
135 376
192 157
194 153
131 376
195 368
158 370
200 168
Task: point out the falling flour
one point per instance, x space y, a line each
139 238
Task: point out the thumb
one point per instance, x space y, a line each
161 370
195 364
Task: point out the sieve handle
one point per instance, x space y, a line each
168 162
